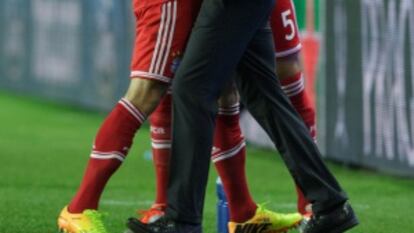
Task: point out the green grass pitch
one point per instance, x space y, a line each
44 150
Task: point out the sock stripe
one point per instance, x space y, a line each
295 91
133 110
228 153
228 111
294 88
287 84
108 155
160 144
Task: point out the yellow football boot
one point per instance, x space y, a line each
89 221
266 221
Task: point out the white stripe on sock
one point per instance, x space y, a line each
228 153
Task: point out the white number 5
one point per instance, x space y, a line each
288 22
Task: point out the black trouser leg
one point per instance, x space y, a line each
262 95
221 35
224 30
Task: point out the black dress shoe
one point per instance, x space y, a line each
162 225
338 220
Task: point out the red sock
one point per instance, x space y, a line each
229 156
294 88
302 203
161 145
111 146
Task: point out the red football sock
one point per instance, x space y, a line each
294 88
302 202
111 146
161 146
229 156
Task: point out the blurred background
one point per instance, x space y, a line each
64 63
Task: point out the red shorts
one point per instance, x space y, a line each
162 31
163 28
285 29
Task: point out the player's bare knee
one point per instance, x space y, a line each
229 97
288 66
145 94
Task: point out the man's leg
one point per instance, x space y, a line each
114 139
111 146
163 27
289 72
229 157
221 34
149 82
151 74
194 96
263 96
160 123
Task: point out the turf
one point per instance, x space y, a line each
44 149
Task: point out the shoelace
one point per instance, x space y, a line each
96 220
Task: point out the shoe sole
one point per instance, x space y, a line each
139 227
346 226
63 225
135 228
